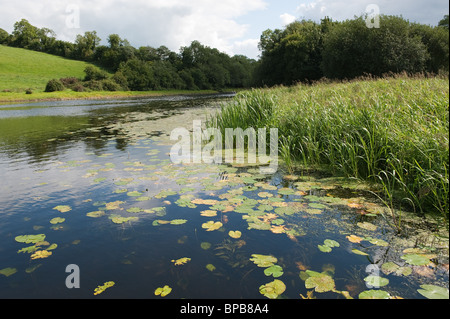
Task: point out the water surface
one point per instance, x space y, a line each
95 178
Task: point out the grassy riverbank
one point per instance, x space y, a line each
393 132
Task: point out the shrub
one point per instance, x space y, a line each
93 73
54 85
94 85
70 82
110 85
78 88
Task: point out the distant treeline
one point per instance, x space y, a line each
308 51
303 51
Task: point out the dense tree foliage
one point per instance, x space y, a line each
303 51
146 68
307 50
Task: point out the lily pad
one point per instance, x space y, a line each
263 261
376 281
211 226
134 210
434 292
57 220
40 254
210 267
324 248
319 281
63 208
8 271
30 239
178 222
181 261
235 234
116 219
331 243
374 294
205 245
275 271
273 289
134 194
95 214
101 289
164 291
416 260
209 213
359 252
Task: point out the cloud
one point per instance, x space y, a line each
173 23
287 18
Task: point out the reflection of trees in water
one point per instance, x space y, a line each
39 138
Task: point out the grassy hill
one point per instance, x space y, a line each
21 69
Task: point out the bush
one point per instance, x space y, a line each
28 91
54 85
78 88
94 85
93 73
70 83
110 85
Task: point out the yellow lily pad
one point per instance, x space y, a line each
235 234
164 291
211 226
101 289
181 261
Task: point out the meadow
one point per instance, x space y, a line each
391 131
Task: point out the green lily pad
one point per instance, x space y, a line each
317 206
321 282
116 219
63 208
164 291
434 292
210 267
416 260
390 267
235 234
263 261
134 210
134 194
211 225
8 271
273 289
178 222
374 294
376 281
324 248
286 191
57 220
205 245
30 239
275 271
95 214
331 243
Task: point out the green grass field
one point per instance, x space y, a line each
392 131
22 69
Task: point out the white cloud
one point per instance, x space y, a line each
287 18
173 23
247 47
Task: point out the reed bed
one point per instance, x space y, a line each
392 131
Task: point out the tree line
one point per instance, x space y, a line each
145 68
303 51
309 51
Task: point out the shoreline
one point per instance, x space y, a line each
7 98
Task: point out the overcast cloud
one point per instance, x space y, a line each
232 26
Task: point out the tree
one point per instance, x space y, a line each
3 36
85 45
444 22
351 49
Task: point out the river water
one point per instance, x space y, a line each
91 184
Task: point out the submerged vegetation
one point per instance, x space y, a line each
393 132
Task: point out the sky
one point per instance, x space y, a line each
232 26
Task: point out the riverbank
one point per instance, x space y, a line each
13 97
392 132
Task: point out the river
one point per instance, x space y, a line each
90 184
